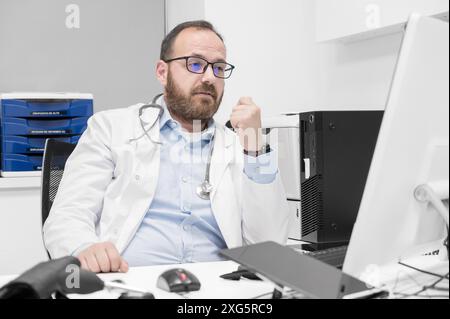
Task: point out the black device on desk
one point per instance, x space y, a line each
240 272
178 280
50 280
288 268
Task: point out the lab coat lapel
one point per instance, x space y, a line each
147 153
223 196
221 158
145 171
146 149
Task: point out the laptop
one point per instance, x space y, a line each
305 274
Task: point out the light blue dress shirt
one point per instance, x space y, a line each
179 226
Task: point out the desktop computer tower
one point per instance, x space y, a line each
336 149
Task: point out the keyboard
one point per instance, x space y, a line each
333 256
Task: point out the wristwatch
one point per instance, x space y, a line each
265 149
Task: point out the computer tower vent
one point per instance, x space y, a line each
312 205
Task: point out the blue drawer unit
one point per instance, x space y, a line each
20 163
33 127
46 108
28 119
30 145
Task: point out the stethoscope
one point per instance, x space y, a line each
205 188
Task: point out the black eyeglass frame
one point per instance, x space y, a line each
186 58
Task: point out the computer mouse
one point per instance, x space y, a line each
178 280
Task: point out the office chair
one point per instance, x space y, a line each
54 161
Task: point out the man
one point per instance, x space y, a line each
131 194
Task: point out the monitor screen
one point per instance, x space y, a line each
412 149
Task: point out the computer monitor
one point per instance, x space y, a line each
412 149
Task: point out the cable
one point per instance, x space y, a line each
438 281
438 288
425 289
403 295
424 271
417 294
263 295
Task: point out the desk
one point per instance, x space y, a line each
395 277
212 286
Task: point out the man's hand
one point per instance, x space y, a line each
246 120
102 257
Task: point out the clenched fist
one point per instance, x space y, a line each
102 257
246 120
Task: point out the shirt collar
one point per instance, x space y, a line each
166 121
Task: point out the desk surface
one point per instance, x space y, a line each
212 286
396 278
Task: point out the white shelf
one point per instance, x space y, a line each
355 20
19 182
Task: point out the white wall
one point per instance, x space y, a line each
280 64
357 75
273 47
178 11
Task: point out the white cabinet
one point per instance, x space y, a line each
361 19
21 245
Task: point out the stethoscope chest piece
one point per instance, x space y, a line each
204 190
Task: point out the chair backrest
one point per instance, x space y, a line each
53 164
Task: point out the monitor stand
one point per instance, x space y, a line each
435 194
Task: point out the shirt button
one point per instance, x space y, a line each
184 179
173 124
137 177
186 227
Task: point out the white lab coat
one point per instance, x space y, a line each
110 180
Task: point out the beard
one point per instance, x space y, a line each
192 106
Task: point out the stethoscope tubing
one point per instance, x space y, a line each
205 188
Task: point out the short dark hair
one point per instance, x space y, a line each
167 43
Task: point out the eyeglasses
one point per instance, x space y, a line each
199 65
